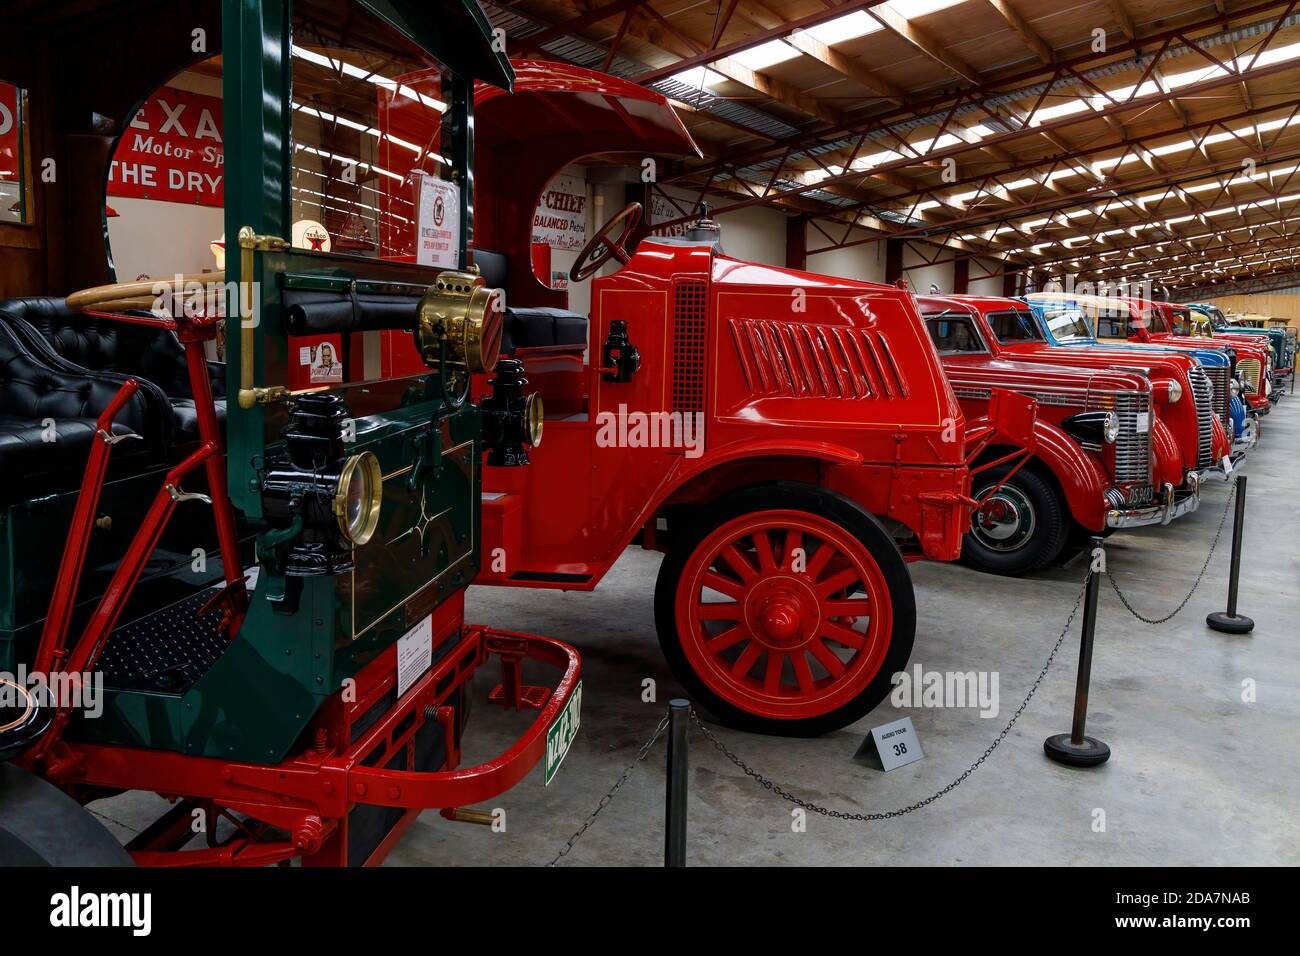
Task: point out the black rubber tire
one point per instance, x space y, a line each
1052 524
40 825
823 503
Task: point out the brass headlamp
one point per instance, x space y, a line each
460 321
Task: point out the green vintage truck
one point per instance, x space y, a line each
233 554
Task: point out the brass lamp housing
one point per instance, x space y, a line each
357 531
460 321
533 419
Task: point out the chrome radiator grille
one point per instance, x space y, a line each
1201 395
1222 396
1248 371
1133 445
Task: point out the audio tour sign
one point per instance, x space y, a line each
172 151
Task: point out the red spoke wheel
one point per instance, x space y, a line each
786 610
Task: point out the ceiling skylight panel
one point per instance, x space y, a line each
766 54
849 27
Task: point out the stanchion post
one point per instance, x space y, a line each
1076 749
679 719
1230 622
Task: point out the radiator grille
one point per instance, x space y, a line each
689 306
1133 444
816 361
1222 396
1248 371
1201 395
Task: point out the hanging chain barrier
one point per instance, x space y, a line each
1123 598
641 754
768 784
776 788
773 787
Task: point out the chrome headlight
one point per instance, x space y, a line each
1110 429
1092 429
1236 388
1167 391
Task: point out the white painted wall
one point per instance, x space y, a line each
865 262
161 239
755 234
990 286
919 274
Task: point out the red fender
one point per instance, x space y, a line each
1166 455
1219 442
1082 478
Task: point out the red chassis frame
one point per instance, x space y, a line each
310 795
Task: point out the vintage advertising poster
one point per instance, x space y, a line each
172 151
439 223
663 210
560 220
10 144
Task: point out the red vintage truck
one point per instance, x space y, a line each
1170 324
1191 407
787 439
1102 459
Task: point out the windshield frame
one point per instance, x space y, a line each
1080 320
1021 314
957 314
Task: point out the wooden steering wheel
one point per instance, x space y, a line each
589 261
141 295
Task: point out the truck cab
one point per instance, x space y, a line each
254 539
1073 321
1209 321
1166 323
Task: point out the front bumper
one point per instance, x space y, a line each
1176 503
1220 471
465 785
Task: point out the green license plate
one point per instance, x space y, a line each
560 735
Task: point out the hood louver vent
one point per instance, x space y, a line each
814 361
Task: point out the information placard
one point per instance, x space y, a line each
439 224
414 654
894 745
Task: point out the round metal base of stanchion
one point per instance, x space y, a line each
1089 753
1229 623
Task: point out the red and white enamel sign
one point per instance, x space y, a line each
172 151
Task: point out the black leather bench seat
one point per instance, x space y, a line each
187 419
47 421
529 327
26 454
76 343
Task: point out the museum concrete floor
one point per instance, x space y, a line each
1198 775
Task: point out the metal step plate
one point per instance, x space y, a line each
166 651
